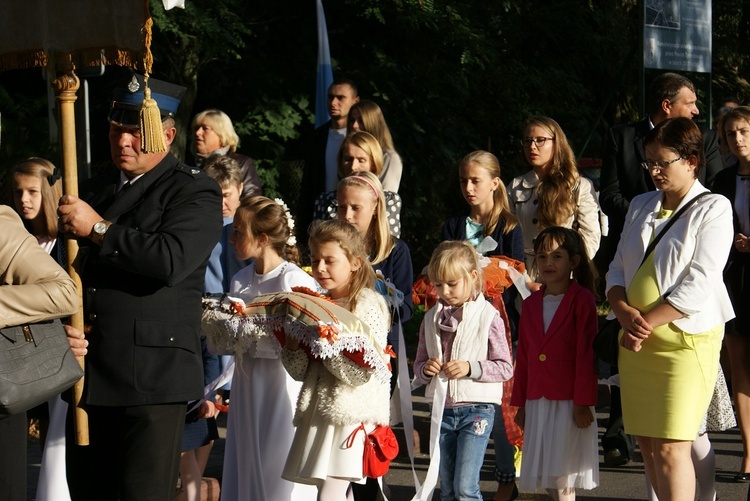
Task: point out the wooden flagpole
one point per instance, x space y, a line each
65 86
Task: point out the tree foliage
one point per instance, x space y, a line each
450 77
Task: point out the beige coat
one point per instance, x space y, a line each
33 287
523 199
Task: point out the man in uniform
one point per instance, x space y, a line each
150 226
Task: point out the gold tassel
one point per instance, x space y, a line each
152 135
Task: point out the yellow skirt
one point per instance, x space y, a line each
666 387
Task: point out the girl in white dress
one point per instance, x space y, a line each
259 426
338 396
555 384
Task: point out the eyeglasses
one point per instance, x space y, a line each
649 166
538 141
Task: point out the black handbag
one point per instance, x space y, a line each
36 363
607 342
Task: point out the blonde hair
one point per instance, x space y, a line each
500 205
51 190
366 142
454 260
225 170
379 238
373 121
221 124
261 215
555 191
347 237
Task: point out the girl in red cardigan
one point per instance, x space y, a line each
555 380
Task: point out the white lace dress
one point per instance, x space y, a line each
259 426
720 415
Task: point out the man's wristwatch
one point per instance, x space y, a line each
99 230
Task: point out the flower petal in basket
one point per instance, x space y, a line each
323 328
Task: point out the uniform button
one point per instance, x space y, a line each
542 357
115 253
171 339
536 201
91 290
535 221
92 316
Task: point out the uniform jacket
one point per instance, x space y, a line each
33 287
143 287
622 176
558 365
689 259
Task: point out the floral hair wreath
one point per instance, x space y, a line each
292 240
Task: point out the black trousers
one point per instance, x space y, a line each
134 453
13 431
615 437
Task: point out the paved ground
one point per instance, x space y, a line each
616 483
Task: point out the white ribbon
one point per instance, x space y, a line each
402 395
486 245
393 297
517 278
424 493
171 4
213 386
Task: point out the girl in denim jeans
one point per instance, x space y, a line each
462 351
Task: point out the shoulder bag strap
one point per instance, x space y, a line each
669 224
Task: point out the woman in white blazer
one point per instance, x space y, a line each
672 306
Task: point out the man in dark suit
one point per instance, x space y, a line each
150 226
320 173
670 96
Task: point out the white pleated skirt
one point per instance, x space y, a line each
556 453
319 450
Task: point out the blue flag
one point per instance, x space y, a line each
325 73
